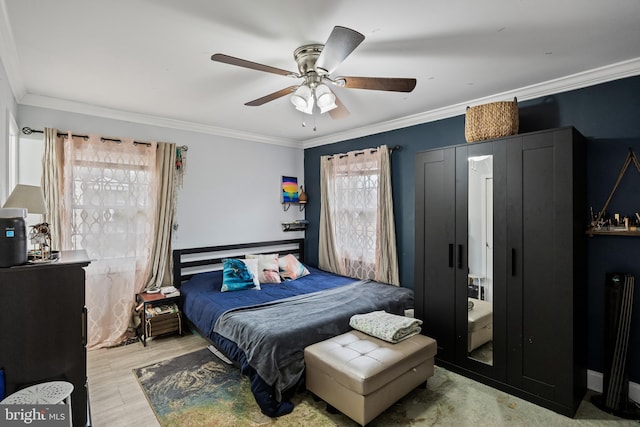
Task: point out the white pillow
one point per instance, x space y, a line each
268 270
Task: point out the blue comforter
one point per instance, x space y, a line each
203 304
273 336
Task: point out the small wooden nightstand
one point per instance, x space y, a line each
154 320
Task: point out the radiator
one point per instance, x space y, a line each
618 310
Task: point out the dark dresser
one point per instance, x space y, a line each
43 327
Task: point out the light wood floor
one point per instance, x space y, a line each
116 398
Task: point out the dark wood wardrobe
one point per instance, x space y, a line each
500 262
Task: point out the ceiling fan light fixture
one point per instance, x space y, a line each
316 62
325 99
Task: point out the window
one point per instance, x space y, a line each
355 206
108 201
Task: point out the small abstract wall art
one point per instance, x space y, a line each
289 189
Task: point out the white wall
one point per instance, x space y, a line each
8 107
231 191
30 151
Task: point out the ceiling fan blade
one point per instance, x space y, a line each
220 57
272 96
379 83
340 112
341 42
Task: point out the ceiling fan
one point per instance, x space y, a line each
316 62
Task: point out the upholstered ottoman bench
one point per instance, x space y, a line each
480 324
362 376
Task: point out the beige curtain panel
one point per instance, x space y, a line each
386 253
52 161
160 256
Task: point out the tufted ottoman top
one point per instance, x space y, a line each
363 363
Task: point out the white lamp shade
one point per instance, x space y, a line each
29 197
325 99
302 98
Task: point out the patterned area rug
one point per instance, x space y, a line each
197 389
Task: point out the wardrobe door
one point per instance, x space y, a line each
541 233
435 250
480 272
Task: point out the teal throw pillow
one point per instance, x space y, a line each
239 274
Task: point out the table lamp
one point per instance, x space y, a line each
30 197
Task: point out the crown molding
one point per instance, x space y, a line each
93 110
575 81
9 54
571 82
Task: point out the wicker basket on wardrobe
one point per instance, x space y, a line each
492 120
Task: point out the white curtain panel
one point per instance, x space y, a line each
109 197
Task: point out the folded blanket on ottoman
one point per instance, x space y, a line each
386 326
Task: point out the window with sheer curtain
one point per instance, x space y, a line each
357 233
355 205
114 198
110 199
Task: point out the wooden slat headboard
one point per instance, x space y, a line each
190 261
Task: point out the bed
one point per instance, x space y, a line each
264 331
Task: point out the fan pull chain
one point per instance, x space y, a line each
304 124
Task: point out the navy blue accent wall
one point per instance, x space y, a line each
608 114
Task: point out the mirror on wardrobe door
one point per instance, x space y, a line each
480 259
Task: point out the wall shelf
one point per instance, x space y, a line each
592 233
630 229
294 226
287 205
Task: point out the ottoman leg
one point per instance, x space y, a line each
331 409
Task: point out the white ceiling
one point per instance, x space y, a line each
149 60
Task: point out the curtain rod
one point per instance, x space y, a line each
29 131
373 150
